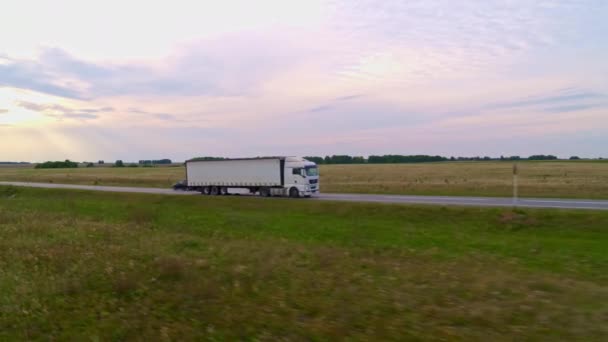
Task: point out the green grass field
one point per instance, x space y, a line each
567 179
77 265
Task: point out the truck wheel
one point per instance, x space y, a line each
206 190
294 193
215 190
224 190
265 192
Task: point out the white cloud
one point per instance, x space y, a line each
63 112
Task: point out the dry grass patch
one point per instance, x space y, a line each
536 179
142 176
517 219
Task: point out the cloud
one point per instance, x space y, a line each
35 107
97 110
230 65
333 103
2 111
572 95
396 41
31 75
440 38
159 116
59 111
572 108
344 117
362 45
349 97
320 108
78 116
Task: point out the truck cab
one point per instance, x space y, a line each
302 175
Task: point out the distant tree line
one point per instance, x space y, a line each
401 159
397 159
207 158
67 164
385 159
542 157
155 162
334 159
120 163
510 158
486 158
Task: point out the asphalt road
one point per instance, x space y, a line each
433 200
472 201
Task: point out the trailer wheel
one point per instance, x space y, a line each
223 190
265 192
294 193
206 190
215 190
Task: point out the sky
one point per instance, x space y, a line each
131 80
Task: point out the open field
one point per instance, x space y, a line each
78 265
566 179
536 179
161 177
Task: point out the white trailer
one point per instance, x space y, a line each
268 176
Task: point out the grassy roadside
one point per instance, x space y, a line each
79 265
567 179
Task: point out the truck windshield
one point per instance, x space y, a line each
312 171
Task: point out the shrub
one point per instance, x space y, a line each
57 165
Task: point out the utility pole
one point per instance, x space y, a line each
515 194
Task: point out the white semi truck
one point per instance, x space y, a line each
267 176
